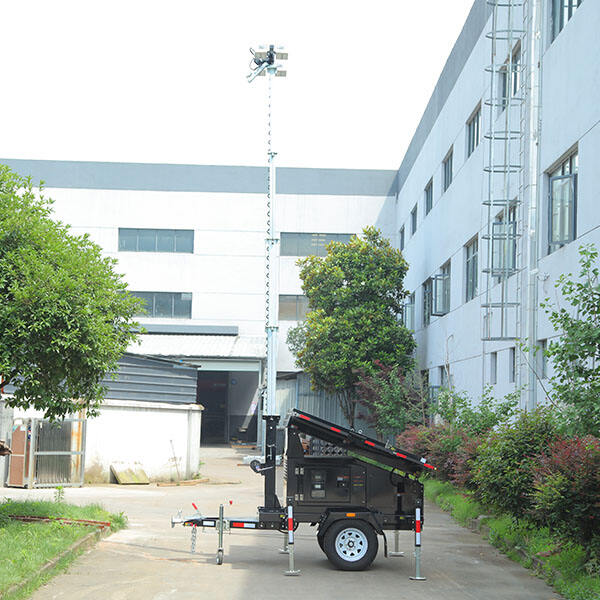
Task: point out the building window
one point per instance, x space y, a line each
402 237
562 11
473 131
429 196
413 220
166 305
509 88
156 240
493 367
427 301
447 170
512 365
408 313
471 273
293 308
441 291
307 244
562 210
504 243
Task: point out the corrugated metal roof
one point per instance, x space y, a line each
206 346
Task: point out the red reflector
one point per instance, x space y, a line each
418 526
369 443
304 417
400 455
336 429
236 524
429 466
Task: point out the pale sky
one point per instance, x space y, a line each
149 81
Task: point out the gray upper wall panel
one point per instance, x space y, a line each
478 17
204 178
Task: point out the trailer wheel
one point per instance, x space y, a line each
321 542
351 545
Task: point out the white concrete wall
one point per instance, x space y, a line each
226 272
570 117
141 432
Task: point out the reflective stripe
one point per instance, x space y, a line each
290 522
369 443
336 429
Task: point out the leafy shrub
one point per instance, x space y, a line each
566 491
416 439
503 468
457 409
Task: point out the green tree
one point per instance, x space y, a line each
394 399
355 295
65 315
576 353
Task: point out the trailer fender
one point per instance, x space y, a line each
332 516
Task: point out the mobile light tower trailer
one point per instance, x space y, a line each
350 487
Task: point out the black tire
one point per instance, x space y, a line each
321 542
350 545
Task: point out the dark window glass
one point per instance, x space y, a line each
447 170
429 196
182 305
427 301
166 304
413 220
562 210
471 270
128 240
292 307
156 240
165 240
473 132
184 240
147 240
306 244
562 11
402 238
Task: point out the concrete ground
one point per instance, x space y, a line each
152 561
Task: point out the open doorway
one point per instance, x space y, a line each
213 395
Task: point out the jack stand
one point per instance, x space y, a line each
194 533
417 576
285 549
220 527
396 551
292 571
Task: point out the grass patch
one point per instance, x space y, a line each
567 567
26 547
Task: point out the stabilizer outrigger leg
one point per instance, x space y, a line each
417 576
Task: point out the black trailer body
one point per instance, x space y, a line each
351 487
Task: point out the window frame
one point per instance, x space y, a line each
428 193
447 169
172 301
512 365
154 233
408 312
301 241
557 25
474 130
471 269
401 238
567 169
493 368
427 301
301 307
413 220
441 291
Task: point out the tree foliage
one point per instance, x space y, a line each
354 294
394 399
65 315
576 353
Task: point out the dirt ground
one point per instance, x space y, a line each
152 561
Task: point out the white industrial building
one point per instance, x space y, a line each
496 191
490 205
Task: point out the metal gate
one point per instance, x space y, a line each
48 454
